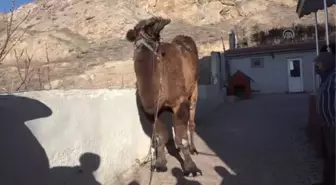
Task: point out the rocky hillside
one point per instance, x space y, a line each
80 43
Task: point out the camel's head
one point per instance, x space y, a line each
148 29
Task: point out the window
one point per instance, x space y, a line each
257 63
295 68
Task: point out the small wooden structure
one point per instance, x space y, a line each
240 85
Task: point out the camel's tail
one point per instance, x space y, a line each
187 42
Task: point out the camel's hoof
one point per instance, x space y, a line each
159 169
193 151
160 166
191 168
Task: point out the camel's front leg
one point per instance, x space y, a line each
161 138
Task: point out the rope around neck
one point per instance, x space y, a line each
154 137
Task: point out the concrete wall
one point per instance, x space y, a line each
44 134
273 78
210 68
210 96
103 122
205 70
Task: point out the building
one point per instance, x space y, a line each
275 68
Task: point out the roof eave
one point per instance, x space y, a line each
299 7
266 52
306 7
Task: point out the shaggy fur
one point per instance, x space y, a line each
167 76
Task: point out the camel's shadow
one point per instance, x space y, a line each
180 179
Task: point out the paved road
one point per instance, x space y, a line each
261 140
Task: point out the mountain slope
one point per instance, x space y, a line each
84 39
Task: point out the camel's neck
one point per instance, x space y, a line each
144 56
144 62
145 66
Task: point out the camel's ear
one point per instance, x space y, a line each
131 35
156 24
161 24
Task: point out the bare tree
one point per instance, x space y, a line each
48 68
26 76
32 77
10 29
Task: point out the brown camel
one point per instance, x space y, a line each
167 77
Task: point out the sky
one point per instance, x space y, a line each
6 5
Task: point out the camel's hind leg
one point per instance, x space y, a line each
180 121
191 124
161 133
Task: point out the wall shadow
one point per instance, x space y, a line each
76 175
205 70
22 158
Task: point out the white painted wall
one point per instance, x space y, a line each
215 68
49 131
104 122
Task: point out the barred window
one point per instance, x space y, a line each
257 62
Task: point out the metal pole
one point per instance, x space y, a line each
326 24
317 51
316 35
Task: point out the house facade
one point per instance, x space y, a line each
275 69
